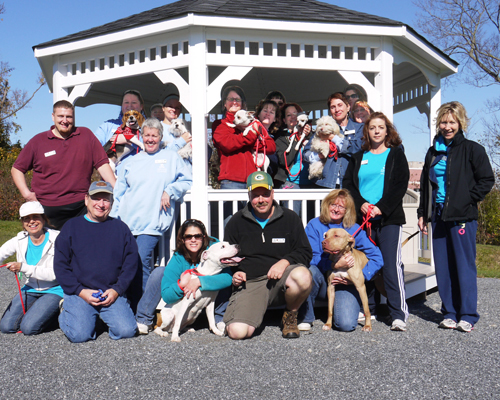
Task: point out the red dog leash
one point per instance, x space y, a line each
191 271
19 287
366 218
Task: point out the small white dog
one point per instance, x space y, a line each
178 128
302 120
327 131
246 122
178 315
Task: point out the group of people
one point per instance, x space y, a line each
100 263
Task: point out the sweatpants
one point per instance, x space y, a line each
454 247
388 239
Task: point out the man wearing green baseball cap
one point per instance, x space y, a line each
273 272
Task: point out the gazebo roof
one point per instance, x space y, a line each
287 10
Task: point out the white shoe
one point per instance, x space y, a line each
361 317
221 326
398 325
304 326
464 326
448 323
144 329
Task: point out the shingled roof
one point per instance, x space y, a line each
284 10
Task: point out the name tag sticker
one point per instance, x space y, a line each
278 240
50 153
364 162
160 161
444 158
351 132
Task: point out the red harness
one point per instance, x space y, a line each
333 151
191 271
366 218
127 132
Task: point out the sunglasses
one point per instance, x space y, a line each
352 96
197 236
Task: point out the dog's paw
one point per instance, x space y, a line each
176 339
367 328
217 332
161 332
327 327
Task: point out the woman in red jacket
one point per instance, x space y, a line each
235 150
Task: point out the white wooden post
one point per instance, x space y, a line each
384 79
198 83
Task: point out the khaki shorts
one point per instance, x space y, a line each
248 303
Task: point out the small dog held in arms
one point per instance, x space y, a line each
130 128
298 132
178 128
176 316
246 122
324 142
338 242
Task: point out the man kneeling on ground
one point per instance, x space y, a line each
273 273
95 252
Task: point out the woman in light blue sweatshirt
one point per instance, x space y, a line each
149 187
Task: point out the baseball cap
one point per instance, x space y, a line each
100 187
30 208
259 179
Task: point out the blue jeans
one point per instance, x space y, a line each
146 245
78 319
151 297
42 310
346 307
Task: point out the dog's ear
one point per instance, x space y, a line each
351 241
124 120
204 255
251 113
140 118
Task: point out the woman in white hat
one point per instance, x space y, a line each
34 249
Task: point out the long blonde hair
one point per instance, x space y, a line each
350 210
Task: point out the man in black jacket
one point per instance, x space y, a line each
273 273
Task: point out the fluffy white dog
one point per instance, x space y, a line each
327 131
178 128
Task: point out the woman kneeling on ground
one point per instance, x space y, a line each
192 241
34 249
337 211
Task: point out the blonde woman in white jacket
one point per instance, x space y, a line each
34 249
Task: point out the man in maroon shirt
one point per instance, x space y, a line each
63 160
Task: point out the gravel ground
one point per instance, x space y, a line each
423 363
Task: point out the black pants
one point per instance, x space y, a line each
58 215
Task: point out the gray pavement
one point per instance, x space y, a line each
423 363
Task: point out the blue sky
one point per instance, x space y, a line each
27 23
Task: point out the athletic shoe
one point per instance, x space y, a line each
144 329
448 323
304 326
464 326
398 325
61 302
221 326
289 325
361 317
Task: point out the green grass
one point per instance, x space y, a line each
9 229
488 261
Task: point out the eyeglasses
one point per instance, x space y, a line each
233 100
197 236
337 207
352 96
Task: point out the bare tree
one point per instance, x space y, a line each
11 100
468 29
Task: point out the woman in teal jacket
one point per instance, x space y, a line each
192 241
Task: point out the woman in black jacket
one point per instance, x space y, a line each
456 176
377 178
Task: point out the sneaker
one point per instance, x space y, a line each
398 325
289 325
304 326
221 326
144 329
361 317
448 323
464 326
61 302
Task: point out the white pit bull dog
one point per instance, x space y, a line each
185 311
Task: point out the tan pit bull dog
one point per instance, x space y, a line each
338 242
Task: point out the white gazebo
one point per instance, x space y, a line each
304 48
